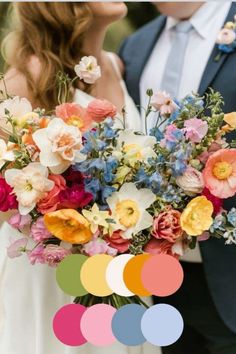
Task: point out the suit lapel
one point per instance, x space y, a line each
143 53
214 66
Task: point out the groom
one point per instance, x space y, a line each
176 52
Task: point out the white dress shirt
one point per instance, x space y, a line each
206 22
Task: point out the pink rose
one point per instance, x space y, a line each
195 129
36 255
7 198
51 201
155 246
167 225
101 109
191 181
54 254
74 114
17 247
226 36
18 221
38 231
163 102
118 242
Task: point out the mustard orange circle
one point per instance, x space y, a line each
132 275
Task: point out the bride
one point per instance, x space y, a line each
50 37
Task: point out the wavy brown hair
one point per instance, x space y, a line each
53 32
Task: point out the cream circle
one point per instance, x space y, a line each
114 275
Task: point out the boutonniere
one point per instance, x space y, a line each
226 39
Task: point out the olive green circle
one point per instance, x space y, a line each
68 275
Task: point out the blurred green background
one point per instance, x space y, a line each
139 14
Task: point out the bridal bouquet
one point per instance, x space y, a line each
78 182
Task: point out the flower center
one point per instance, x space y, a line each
128 212
64 140
134 149
222 170
76 121
28 186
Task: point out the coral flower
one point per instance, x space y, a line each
74 114
220 173
68 225
197 216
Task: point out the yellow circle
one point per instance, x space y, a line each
93 275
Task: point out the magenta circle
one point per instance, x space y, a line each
66 325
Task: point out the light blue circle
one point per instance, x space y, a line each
162 325
126 324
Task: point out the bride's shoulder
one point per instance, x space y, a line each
16 81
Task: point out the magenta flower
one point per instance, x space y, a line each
39 232
18 221
7 198
72 177
195 129
36 255
17 247
54 254
75 197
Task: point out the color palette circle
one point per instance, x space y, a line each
96 324
114 275
162 325
68 275
162 275
66 325
93 275
132 275
126 325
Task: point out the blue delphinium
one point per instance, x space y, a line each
231 216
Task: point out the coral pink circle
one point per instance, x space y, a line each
96 324
162 275
66 325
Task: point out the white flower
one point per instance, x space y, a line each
17 108
226 36
135 147
88 70
5 155
29 185
97 218
191 181
128 207
59 145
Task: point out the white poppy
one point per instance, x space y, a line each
5 155
29 185
88 70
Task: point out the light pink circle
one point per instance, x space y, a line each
96 324
66 325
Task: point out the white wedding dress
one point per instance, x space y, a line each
29 295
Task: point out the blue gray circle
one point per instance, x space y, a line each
126 324
162 325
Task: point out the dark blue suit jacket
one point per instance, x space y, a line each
219 260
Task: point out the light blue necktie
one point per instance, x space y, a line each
174 65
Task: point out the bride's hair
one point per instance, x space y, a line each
54 33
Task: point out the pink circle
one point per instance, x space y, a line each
162 275
96 324
66 325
